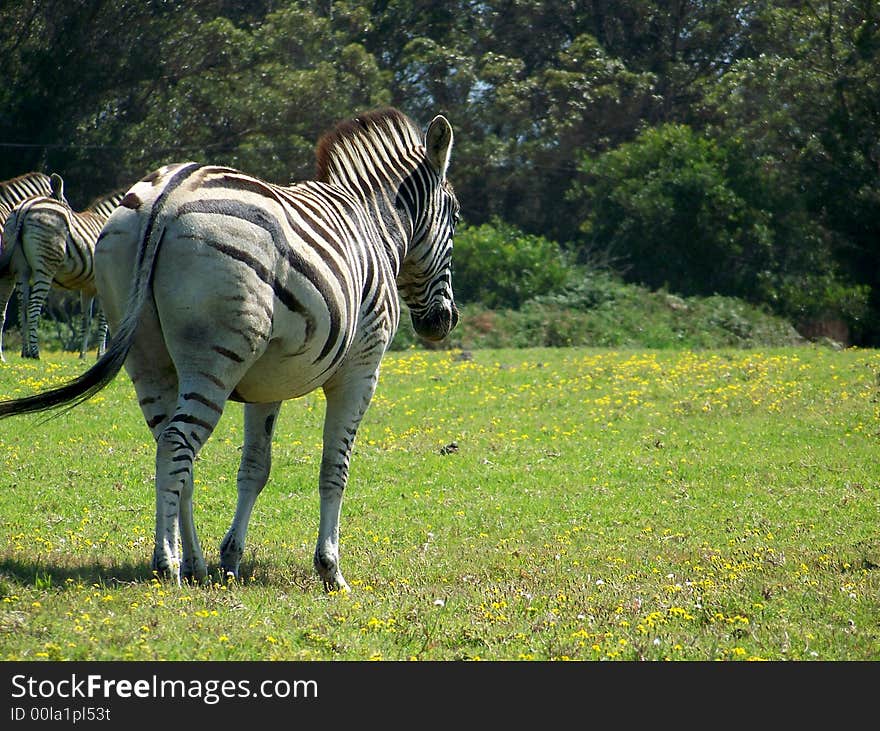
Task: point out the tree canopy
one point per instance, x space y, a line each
729 146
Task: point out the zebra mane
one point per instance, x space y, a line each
373 125
105 204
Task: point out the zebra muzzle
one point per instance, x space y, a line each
437 323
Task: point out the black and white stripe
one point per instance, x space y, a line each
13 192
54 246
250 291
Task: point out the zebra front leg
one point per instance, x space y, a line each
346 404
253 473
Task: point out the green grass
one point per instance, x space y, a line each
600 505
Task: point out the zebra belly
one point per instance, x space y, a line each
279 374
76 280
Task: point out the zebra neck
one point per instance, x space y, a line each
390 224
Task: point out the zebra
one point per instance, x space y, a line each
249 291
51 244
12 192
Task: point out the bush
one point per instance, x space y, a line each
600 310
499 266
634 318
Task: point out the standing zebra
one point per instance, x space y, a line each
13 192
51 244
259 293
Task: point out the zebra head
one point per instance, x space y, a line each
425 278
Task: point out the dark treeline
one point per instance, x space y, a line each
723 147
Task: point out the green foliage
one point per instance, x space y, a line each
601 310
499 266
690 215
804 111
259 98
767 112
664 204
634 318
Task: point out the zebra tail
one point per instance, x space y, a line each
73 392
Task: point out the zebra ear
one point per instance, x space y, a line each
57 185
438 143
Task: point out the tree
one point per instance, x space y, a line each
806 107
781 97
663 206
71 71
255 98
688 214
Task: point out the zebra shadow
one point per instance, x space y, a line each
44 575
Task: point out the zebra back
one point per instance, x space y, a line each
15 190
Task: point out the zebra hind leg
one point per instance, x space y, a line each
102 332
39 292
253 473
86 306
24 296
175 453
199 407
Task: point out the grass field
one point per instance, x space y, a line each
538 504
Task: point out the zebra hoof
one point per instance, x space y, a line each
165 568
229 569
196 578
328 569
228 576
336 584
332 578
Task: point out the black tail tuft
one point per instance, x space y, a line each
74 392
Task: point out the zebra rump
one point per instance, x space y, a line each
12 193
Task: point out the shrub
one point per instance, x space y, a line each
499 266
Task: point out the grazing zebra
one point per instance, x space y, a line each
53 245
258 293
13 192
